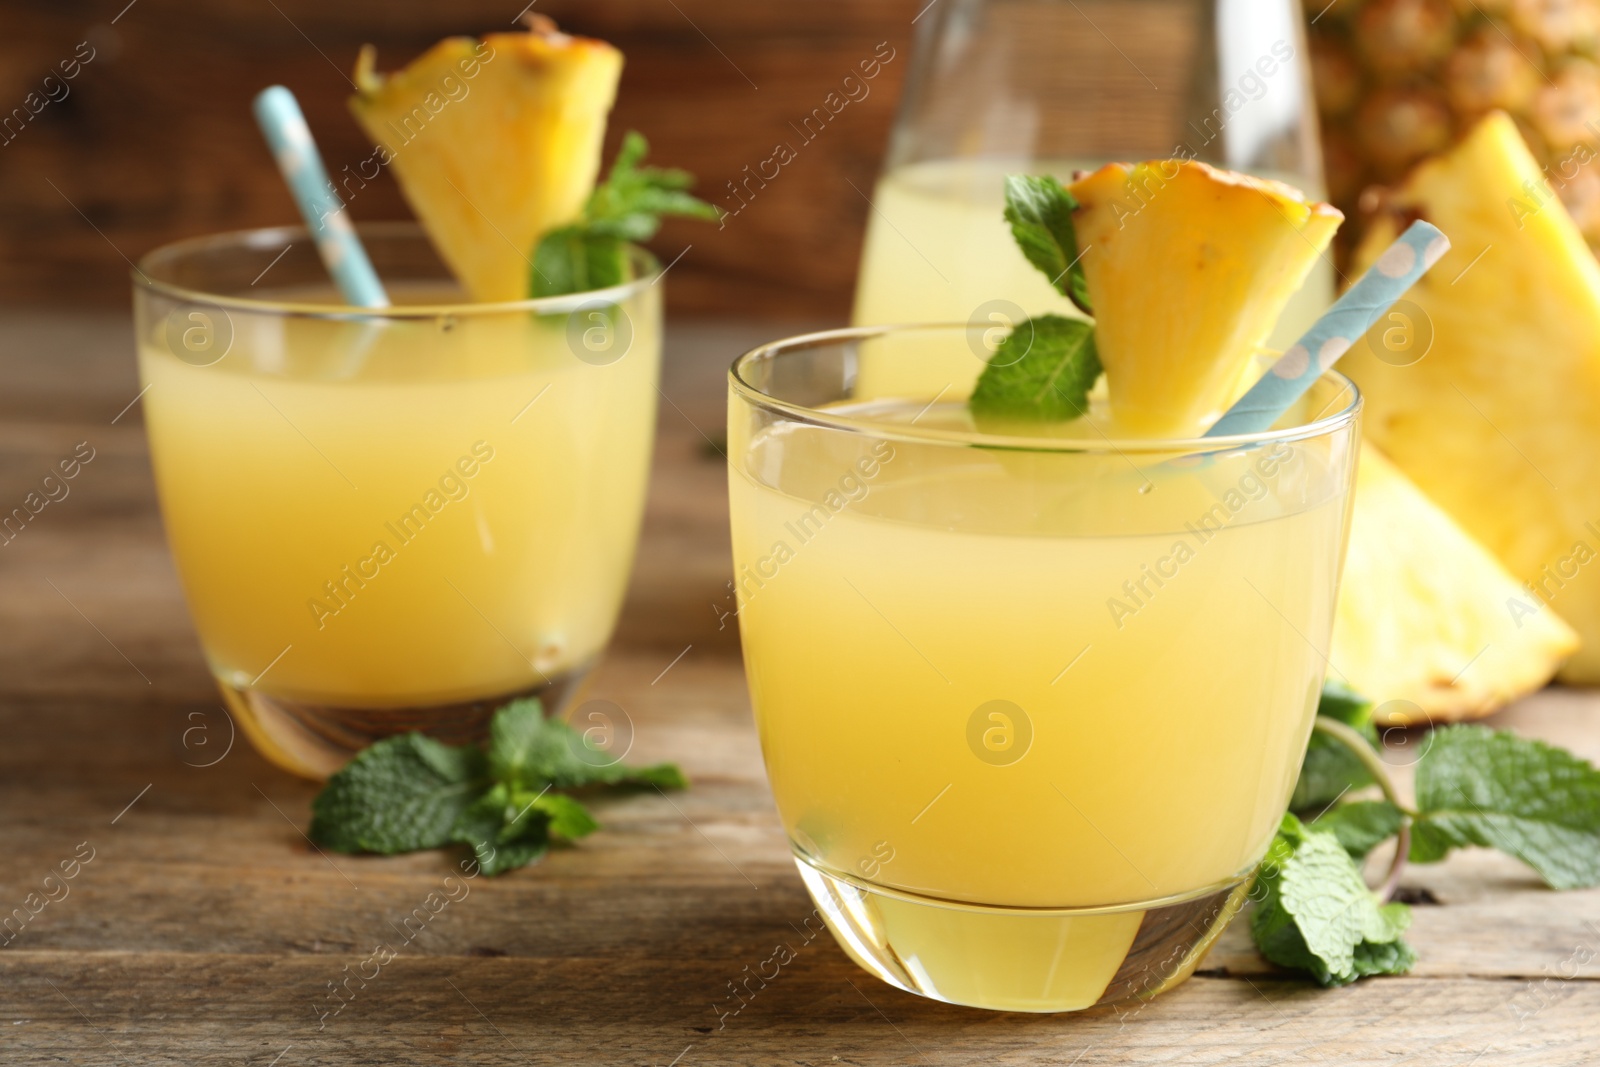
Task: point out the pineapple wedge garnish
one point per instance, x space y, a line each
494 142
1499 424
1422 619
1188 268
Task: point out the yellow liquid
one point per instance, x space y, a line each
404 514
1152 731
938 250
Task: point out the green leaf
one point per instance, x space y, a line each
1040 213
400 794
411 792
1330 770
592 252
515 734
532 751
1043 369
1491 788
1339 701
1386 957
1360 826
575 259
503 833
567 817
1314 913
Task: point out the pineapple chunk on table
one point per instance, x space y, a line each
1499 423
1422 626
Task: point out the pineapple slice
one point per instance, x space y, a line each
1499 423
1188 268
495 142
1422 611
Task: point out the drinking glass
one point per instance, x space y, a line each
398 519
1032 703
1003 87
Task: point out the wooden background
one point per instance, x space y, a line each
155 142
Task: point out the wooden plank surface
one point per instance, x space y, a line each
205 929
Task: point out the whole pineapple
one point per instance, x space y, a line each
1399 81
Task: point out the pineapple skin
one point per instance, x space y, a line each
1499 423
490 170
1399 80
1188 268
1421 615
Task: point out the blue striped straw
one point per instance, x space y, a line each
281 121
1352 315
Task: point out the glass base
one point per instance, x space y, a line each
1022 959
314 740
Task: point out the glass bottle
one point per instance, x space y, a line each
1055 86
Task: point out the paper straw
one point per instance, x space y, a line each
283 124
1352 315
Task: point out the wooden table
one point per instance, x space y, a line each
206 929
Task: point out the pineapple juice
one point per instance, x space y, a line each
938 250
1022 713
396 524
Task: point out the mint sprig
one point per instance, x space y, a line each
1040 211
1043 369
1474 787
1045 366
411 792
1529 799
592 253
1315 913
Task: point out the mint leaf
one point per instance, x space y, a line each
592 253
503 830
527 749
1330 770
1360 826
1314 913
1040 213
1491 788
566 816
1043 369
400 794
1385 957
574 260
515 735
412 792
1271 925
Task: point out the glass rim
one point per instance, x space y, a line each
1320 426
269 238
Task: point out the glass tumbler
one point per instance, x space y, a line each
1031 704
391 520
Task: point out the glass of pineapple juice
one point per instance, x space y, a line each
399 519
1032 700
